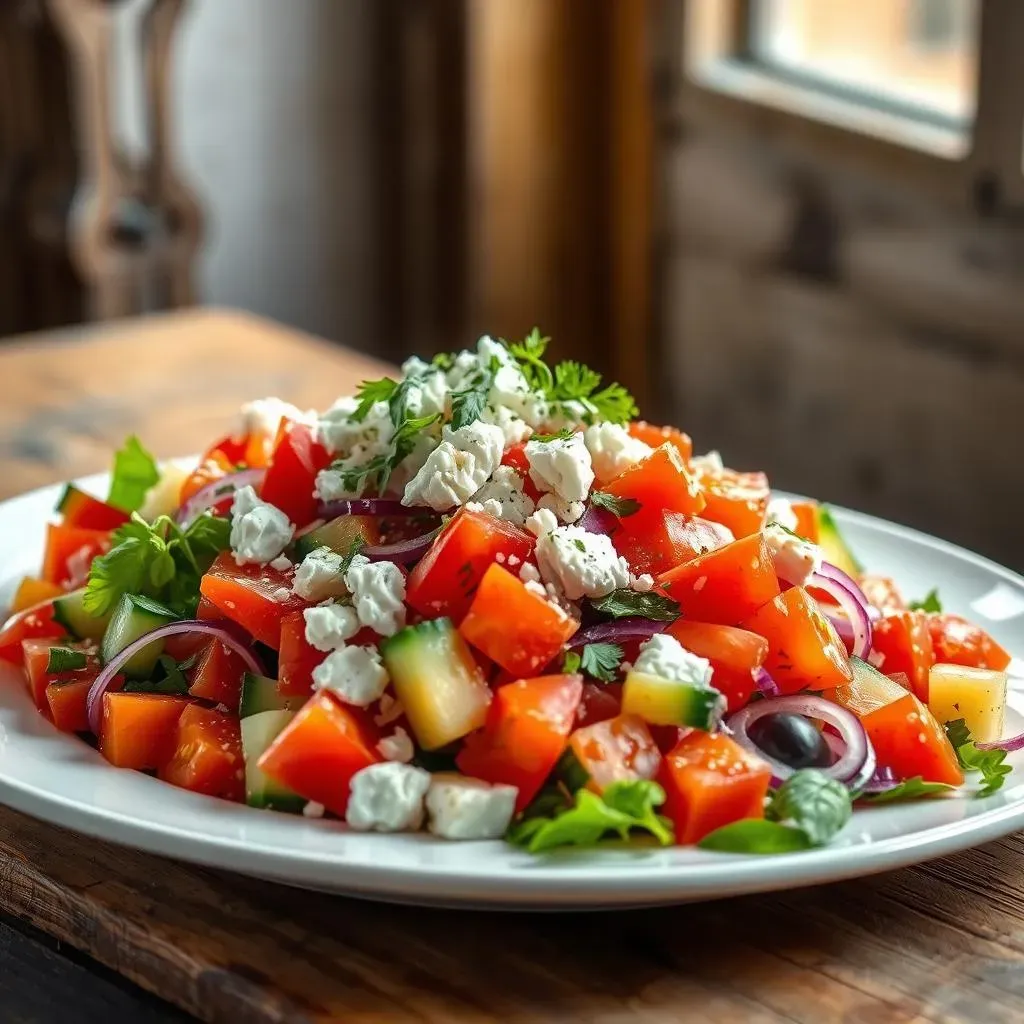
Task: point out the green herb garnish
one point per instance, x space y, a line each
990 763
135 472
619 507
622 603
63 659
931 603
912 789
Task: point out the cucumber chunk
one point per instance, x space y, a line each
133 617
70 612
260 694
258 732
660 701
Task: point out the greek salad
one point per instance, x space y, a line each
482 597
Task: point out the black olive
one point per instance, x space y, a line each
791 739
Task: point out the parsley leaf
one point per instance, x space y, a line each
135 472
912 789
562 435
369 393
989 762
601 661
619 507
468 403
571 663
931 603
625 806
575 382
377 471
63 659
621 603
169 678
529 354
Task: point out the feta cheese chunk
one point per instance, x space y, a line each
457 468
262 417
355 674
780 513
542 521
711 462
794 558
387 797
461 808
259 531
562 466
581 564
397 747
313 810
613 450
378 592
667 658
328 626
319 576
565 511
164 497
503 496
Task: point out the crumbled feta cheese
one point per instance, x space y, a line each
708 463
642 584
512 426
561 465
378 592
330 486
415 367
537 588
541 522
282 563
313 810
282 595
529 573
429 395
505 491
328 626
457 468
319 575
581 564
397 747
566 511
259 531
388 710
780 513
490 507
613 450
355 674
355 441
387 797
263 417
666 657
462 808
794 558
164 497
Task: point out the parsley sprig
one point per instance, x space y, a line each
599 660
990 763
931 603
623 603
619 507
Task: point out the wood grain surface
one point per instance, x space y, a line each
943 942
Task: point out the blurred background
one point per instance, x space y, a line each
795 227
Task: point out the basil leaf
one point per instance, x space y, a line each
818 805
622 603
911 789
619 507
756 835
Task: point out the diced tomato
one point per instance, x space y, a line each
246 594
868 691
804 650
518 629
657 540
657 436
661 481
445 580
207 610
291 476
139 730
527 727
32 591
735 655
806 513
905 644
297 658
618 749
955 641
711 781
69 552
727 585
80 509
217 675
736 500
601 701
883 594
37 657
183 646
320 749
67 700
207 755
33 623
515 456
908 739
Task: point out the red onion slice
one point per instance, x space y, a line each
855 629
616 632
855 764
218 630
598 520
368 507
882 781
765 684
405 552
215 492
1010 744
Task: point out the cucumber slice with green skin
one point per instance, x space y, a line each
258 732
833 546
438 682
133 617
660 701
70 612
260 694
338 535
570 772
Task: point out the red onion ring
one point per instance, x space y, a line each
598 520
882 781
368 507
856 763
635 628
856 629
218 630
215 492
1009 745
765 684
405 552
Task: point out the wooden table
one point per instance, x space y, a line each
82 920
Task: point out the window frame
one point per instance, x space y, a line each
979 164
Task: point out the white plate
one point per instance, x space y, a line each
61 780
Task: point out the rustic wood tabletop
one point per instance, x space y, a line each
94 932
